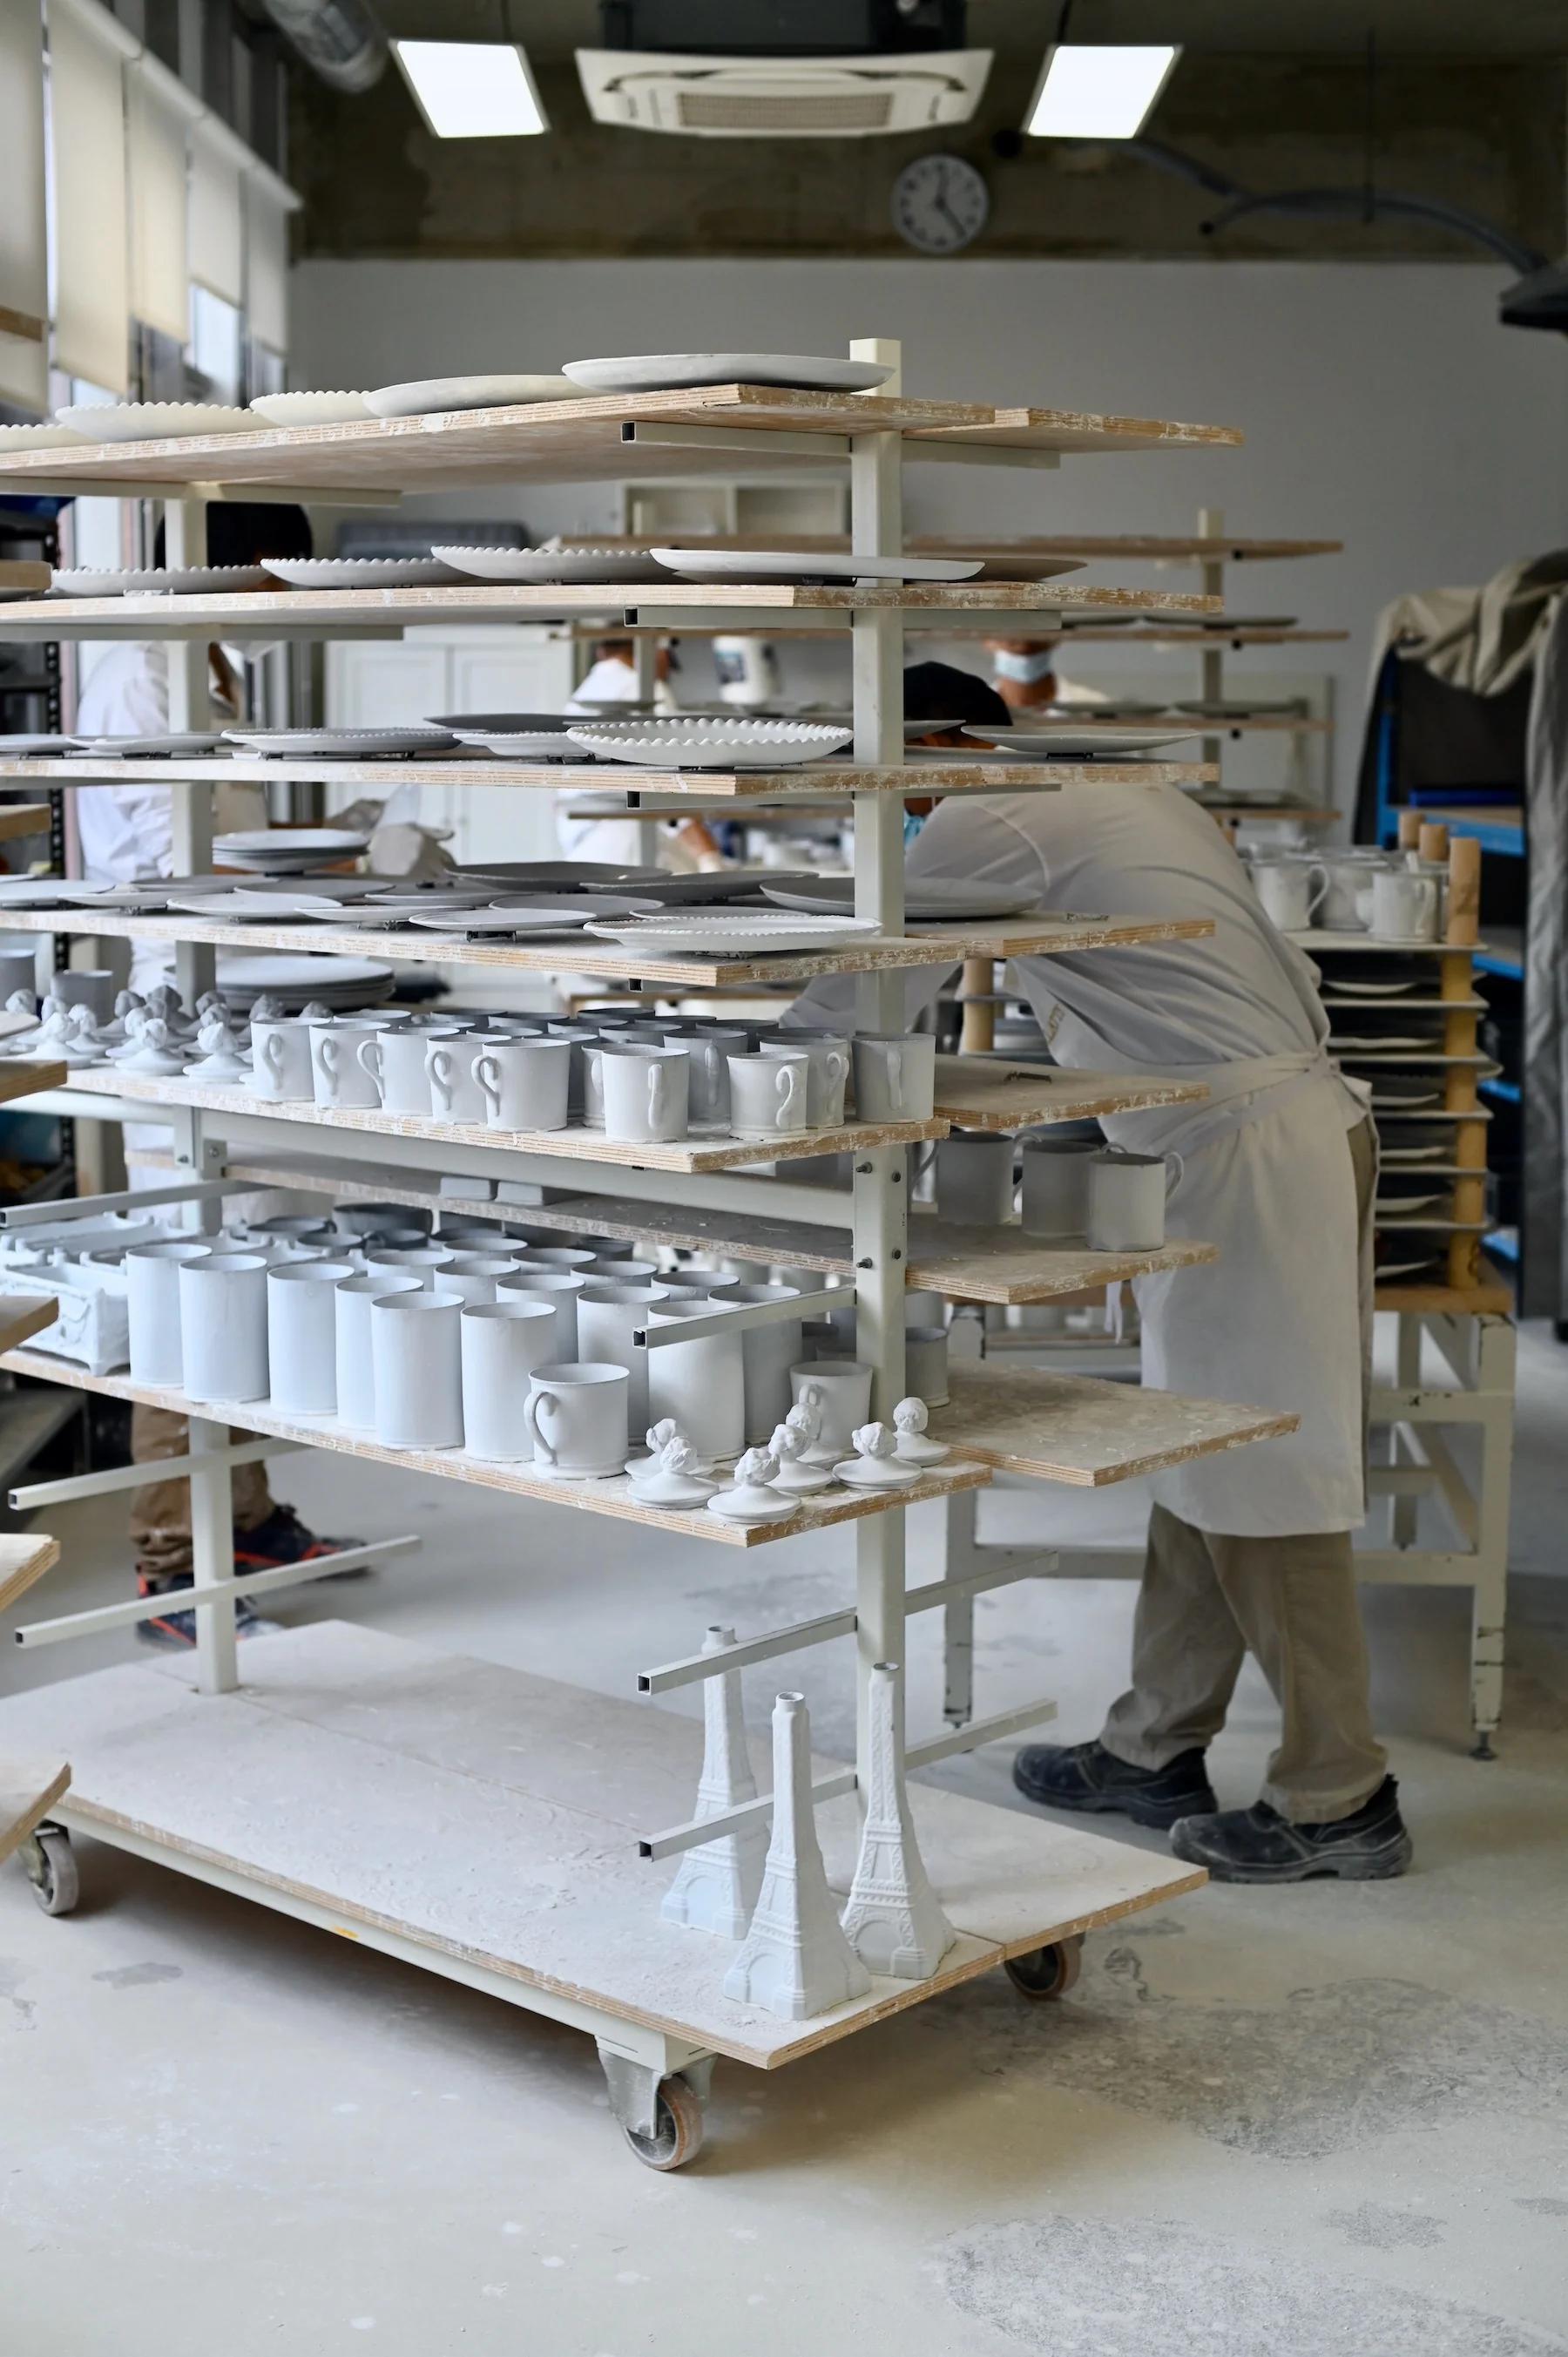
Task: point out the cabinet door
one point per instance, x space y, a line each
381 683
506 671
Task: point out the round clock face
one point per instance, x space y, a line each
939 204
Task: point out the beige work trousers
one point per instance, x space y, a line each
1207 1600
160 1511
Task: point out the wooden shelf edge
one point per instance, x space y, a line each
29 1789
25 1557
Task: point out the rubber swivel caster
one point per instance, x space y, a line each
50 1864
1046 1973
677 2134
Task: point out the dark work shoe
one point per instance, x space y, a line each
1087 1777
176 1630
283 1538
1257 1845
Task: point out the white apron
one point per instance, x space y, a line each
1283 1320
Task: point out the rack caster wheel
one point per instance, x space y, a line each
50 1864
678 2128
1046 1973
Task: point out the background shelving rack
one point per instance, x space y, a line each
487 1748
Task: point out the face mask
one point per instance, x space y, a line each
1027 669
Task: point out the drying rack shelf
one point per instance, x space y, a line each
980 1092
949 944
1075 1430
616 1498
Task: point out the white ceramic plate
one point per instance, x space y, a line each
1403 1100
1375 989
538 917
1411 1154
552 565
1237 708
1077 744
337 981
45 892
292 843
1227 621
1387 1270
179 744
19 747
741 934
39 438
362 572
730 884
499 724
152 421
312 408
431 395
524 745
686 744
230 907
346 744
1383 1043
674 372
1028 569
1405 1207
935 899
183 580
809 564
511 878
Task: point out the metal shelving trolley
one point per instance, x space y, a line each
488 1824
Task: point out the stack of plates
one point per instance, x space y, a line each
684 743
289 850
340 744
17 746
341 984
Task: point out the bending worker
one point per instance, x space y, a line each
1248 1551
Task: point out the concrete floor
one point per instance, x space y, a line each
1266 2124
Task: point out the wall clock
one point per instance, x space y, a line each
939 204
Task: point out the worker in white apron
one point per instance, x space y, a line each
1248 1551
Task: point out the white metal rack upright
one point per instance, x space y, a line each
418 1803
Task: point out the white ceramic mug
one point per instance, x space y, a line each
525 1082
827 1061
700 1383
608 1316
926 1363
698 1284
1127 1196
416 1354
223 1325
473 1277
895 1077
1055 1186
395 1062
576 1419
353 1365
454 1093
1291 890
974 1180
575 1257
560 1287
501 1344
708 1104
645 1093
422 1261
280 1059
768 1095
302 1335
338 1078
1404 906
152 1307
768 1354
1349 875
840 1390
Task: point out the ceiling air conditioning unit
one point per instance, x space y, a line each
757 70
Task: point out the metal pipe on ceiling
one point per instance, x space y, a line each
340 40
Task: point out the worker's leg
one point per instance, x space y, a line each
1294 1602
1187 1651
160 1511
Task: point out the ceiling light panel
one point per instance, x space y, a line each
1093 93
472 89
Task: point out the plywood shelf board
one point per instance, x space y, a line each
26 1079
973 1092
18 819
1004 1265
950 944
401 1767
22 1315
577 441
1162 547
614 1498
1487 1299
29 1788
1075 1430
564 1145
25 1557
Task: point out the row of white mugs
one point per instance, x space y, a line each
1072 1192
642 1081
1393 895
424 1346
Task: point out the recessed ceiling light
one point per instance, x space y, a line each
1097 93
472 89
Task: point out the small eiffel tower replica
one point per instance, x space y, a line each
796 1961
893 1919
716 1885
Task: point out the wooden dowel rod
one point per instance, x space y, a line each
1433 842
1410 830
977 1036
1464 891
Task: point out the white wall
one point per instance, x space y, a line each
1381 403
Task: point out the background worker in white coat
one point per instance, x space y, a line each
1248 1551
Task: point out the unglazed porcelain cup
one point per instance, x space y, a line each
770 1095
502 1342
576 1419
894 1075
1127 1196
1055 1193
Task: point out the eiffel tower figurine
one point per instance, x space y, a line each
716 1884
893 1919
796 1961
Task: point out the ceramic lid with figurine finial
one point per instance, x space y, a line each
674 1476
754 1498
795 1477
914 1444
876 1464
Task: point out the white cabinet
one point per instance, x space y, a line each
376 684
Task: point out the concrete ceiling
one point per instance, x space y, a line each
1517 28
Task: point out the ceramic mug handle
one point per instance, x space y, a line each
487 1073
327 1056
895 1078
1173 1176
369 1053
1318 897
271 1057
656 1095
536 1406
438 1065
835 1063
786 1089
